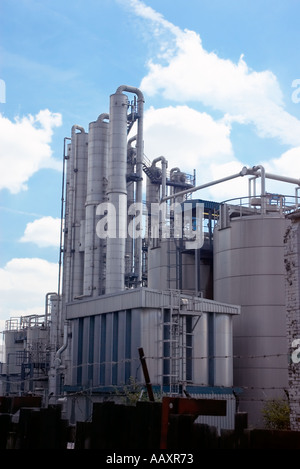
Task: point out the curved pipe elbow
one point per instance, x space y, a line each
160 158
78 127
103 116
131 89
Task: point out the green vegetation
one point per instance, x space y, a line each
276 414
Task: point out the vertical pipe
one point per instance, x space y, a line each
263 187
78 212
139 173
131 159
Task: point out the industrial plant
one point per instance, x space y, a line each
207 289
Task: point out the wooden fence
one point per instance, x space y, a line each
119 427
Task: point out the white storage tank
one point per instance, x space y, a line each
249 271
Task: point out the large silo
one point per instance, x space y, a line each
249 271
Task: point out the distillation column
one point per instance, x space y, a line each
94 272
117 189
117 194
75 215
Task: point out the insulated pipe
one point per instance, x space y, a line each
59 352
139 172
164 165
283 178
263 186
131 156
263 178
243 172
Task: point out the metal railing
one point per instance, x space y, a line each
267 204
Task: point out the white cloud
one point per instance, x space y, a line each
237 187
25 148
186 72
44 232
24 283
287 166
186 137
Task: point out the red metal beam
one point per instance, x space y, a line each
195 407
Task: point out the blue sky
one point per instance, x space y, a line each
221 82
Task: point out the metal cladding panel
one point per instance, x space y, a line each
121 337
225 422
96 374
151 340
144 298
223 350
85 356
108 349
201 350
74 345
135 368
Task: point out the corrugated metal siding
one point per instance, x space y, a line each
144 298
226 423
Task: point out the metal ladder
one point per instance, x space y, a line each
175 338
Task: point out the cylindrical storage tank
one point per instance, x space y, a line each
249 271
94 281
117 194
162 266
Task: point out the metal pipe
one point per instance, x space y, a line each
47 304
164 165
263 178
131 156
62 216
242 173
139 173
62 348
283 178
263 186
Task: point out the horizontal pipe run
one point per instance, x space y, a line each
203 186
